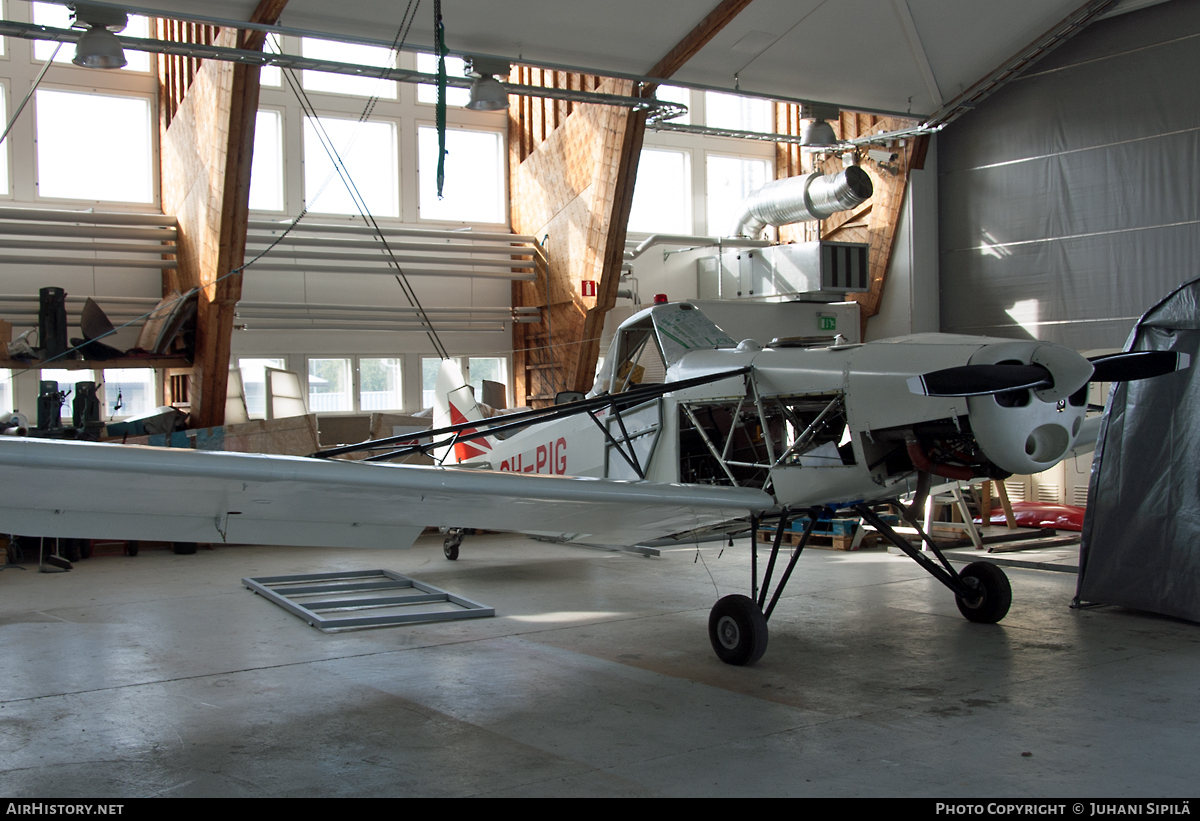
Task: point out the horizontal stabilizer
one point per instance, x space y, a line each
1133 365
980 380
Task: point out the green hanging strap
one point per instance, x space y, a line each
439 31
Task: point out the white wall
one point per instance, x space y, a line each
909 304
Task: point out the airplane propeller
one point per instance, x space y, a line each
1133 365
981 380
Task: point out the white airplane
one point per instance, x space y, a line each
685 429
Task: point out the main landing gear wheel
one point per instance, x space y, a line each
450 546
737 630
994 593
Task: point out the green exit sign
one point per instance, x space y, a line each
828 323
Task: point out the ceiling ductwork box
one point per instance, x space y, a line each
816 271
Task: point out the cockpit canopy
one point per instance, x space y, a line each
651 341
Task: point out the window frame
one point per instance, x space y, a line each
155 201
355 361
721 230
465 360
502 171
419 86
770 112
397 154
689 195
156 382
5 98
356 376
283 159
378 82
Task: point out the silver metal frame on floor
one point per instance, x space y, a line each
311 587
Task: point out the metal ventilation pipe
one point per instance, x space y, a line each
800 199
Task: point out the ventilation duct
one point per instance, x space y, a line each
800 199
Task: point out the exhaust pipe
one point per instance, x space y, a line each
800 199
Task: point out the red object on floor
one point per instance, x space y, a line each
1041 514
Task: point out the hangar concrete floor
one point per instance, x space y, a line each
160 675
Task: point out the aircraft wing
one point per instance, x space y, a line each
93 490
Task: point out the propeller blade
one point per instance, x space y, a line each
981 380
1133 365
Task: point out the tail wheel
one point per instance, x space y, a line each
993 593
450 546
737 630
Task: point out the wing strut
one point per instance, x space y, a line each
737 625
408 444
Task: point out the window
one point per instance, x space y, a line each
730 181
4 154
368 150
455 67
78 160
662 193
133 388
271 76
738 113
66 384
479 368
61 17
66 379
329 386
379 384
6 391
491 368
474 184
266 173
675 94
254 384
348 53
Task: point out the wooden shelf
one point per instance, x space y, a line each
96 364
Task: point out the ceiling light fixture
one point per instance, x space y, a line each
99 47
487 93
815 133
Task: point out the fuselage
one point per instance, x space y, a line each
813 424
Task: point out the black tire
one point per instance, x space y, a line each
131 548
450 546
737 630
183 548
994 593
85 548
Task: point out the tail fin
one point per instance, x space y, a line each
454 404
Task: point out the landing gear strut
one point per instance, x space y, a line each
737 625
981 590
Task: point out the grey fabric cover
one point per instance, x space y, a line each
1141 533
1076 185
